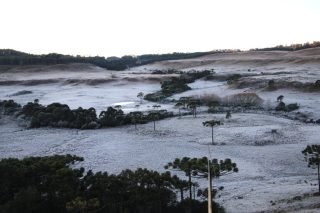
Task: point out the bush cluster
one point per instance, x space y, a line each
168 71
233 78
60 115
176 85
287 108
243 100
8 107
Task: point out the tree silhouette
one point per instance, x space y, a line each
216 167
228 115
50 184
154 115
280 98
184 101
198 168
185 165
179 105
140 96
281 106
181 185
212 123
193 104
118 107
312 156
136 117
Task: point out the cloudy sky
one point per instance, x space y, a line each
133 27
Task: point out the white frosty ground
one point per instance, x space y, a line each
267 173
272 168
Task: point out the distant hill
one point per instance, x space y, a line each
13 57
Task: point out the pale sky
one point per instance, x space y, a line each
133 27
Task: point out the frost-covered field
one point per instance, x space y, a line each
272 170
267 173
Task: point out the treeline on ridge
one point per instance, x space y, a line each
13 57
292 47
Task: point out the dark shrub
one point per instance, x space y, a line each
292 107
281 106
111 118
176 85
233 78
9 106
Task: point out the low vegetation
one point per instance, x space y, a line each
233 78
243 100
166 72
287 108
9 107
174 85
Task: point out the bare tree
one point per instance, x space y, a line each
243 99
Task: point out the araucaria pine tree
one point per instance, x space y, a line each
212 123
312 156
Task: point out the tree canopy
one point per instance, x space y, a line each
49 184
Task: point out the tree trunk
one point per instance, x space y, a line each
212 135
154 125
179 112
319 177
181 193
135 126
209 189
190 186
